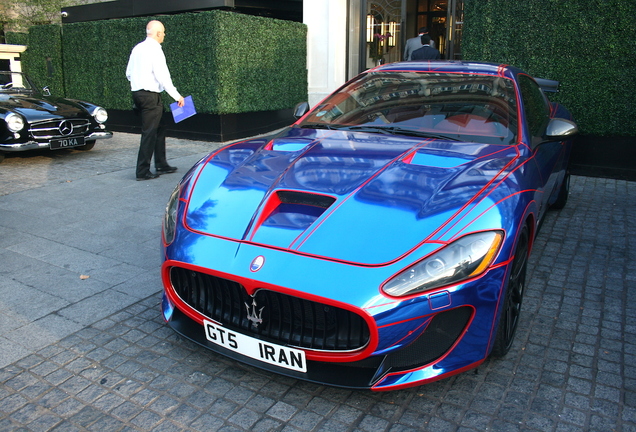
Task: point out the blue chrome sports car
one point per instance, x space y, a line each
382 240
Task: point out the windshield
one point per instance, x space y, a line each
14 81
463 107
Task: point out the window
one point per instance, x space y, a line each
535 107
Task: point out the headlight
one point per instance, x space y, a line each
14 122
465 258
170 217
100 115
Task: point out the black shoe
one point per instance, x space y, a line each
148 176
166 170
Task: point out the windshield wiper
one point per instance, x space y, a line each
422 134
360 128
390 130
386 130
365 128
317 126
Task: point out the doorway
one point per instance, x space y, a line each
444 20
378 29
432 14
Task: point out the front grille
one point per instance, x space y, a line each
51 129
286 320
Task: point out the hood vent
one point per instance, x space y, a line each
290 211
287 145
304 198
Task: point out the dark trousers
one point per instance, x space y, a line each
153 131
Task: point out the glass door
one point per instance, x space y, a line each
444 20
455 26
433 14
382 32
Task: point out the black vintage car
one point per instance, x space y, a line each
31 119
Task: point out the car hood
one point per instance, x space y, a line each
355 197
34 108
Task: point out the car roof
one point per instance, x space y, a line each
450 67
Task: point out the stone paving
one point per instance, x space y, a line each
83 346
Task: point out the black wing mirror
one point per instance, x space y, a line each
46 91
301 109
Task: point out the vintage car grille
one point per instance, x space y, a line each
59 128
287 320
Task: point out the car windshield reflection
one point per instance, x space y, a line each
466 107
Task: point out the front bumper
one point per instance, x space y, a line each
36 145
377 372
415 341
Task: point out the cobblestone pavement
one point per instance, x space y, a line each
83 345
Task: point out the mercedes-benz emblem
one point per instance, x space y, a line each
66 127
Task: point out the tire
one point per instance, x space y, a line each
1 157
562 199
88 146
511 306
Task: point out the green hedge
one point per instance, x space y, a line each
42 58
228 62
587 45
16 38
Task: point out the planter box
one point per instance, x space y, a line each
609 157
208 127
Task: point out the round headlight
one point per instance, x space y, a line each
100 115
14 122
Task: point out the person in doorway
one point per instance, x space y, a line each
148 74
427 52
415 43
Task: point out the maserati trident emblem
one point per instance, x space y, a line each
66 128
257 263
252 315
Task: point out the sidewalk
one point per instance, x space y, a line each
83 345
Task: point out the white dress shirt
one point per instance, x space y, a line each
147 69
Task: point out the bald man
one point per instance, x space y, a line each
148 74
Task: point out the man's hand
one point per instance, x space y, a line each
181 102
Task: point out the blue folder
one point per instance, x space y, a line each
182 113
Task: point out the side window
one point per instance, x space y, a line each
535 106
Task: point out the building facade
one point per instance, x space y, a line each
10 57
346 37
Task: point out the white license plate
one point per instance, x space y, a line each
66 143
267 352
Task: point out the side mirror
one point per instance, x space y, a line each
46 91
301 109
561 128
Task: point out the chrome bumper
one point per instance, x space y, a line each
34 145
99 135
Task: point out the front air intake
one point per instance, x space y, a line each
286 320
